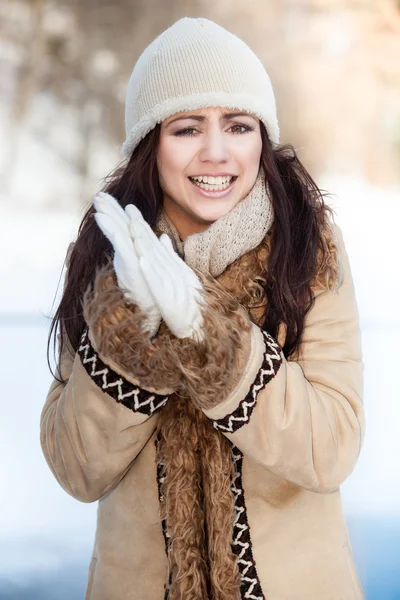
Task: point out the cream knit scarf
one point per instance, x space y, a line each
228 238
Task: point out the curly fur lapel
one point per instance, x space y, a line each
245 278
197 462
195 458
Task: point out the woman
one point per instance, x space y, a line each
209 385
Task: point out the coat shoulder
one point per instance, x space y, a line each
329 269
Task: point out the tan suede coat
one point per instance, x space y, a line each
296 428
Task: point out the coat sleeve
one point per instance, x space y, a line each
302 419
94 425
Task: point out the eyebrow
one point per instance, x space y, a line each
225 116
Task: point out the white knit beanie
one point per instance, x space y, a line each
193 64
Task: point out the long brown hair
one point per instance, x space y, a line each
300 216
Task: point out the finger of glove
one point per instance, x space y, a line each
134 283
106 225
107 204
119 238
126 263
165 240
127 279
162 253
129 269
134 212
160 287
178 288
170 295
149 245
106 200
186 272
185 283
111 229
193 308
137 218
139 224
193 284
166 284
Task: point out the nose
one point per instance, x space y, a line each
214 148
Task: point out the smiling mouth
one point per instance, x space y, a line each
211 187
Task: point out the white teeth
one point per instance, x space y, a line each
213 180
212 188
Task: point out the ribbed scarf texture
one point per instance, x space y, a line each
195 459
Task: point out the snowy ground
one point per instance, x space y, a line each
46 535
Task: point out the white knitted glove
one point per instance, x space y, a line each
174 285
114 223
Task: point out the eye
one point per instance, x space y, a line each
185 131
246 128
188 131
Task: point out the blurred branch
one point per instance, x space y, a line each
27 76
69 61
25 89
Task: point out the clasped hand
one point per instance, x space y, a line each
150 272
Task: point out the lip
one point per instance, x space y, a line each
217 194
213 175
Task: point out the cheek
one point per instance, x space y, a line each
248 152
254 150
171 159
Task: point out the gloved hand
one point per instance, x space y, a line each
114 223
174 286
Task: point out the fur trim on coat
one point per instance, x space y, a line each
196 468
204 372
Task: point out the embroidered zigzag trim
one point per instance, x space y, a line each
119 388
161 475
272 360
250 588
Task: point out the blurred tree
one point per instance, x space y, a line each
25 85
333 64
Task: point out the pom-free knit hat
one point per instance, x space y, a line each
193 64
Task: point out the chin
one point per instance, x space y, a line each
210 214
208 217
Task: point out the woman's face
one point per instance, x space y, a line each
208 142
